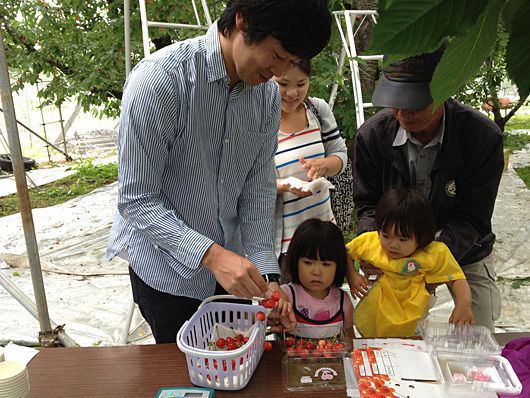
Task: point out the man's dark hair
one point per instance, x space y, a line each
315 239
405 211
303 27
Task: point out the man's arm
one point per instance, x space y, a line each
148 123
469 227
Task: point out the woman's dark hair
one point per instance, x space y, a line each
303 27
315 239
405 211
305 65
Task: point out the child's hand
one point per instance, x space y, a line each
462 315
359 285
283 307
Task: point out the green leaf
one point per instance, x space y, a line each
518 51
410 27
511 9
465 54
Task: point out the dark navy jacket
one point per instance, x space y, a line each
465 176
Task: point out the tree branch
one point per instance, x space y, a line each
29 46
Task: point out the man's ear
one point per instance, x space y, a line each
241 23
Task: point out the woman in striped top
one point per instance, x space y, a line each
309 147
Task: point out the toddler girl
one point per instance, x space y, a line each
316 261
403 247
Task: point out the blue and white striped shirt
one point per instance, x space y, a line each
196 166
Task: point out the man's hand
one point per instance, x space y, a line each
236 274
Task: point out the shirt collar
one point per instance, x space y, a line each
214 57
403 136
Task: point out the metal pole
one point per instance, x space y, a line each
127 28
63 133
29 305
23 197
68 157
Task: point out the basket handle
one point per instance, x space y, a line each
227 296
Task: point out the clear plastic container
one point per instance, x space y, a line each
316 362
468 359
464 339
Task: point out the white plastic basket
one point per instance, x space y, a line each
222 370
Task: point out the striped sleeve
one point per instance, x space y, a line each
331 136
148 116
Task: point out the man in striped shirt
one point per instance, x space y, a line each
198 133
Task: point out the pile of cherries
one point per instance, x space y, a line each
231 343
305 348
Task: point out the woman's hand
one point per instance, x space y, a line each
315 168
282 188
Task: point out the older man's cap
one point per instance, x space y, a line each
405 84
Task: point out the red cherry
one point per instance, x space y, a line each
260 316
245 339
220 342
276 296
289 341
233 346
267 345
239 337
267 303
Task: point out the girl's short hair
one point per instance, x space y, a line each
315 239
407 212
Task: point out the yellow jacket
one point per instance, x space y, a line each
399 299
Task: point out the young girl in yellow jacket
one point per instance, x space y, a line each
403 248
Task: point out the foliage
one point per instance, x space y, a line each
484 87
519 122
86 178
515 142
410 27
516 282
76 47
524 174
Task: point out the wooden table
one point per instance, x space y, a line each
140 370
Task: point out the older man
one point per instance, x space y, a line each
451 153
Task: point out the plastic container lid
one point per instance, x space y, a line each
464 339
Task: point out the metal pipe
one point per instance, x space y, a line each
29 305
145 33
63 133
67 157
127 29
23 196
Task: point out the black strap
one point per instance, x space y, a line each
313 109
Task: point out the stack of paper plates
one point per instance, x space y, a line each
14 380
2 357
